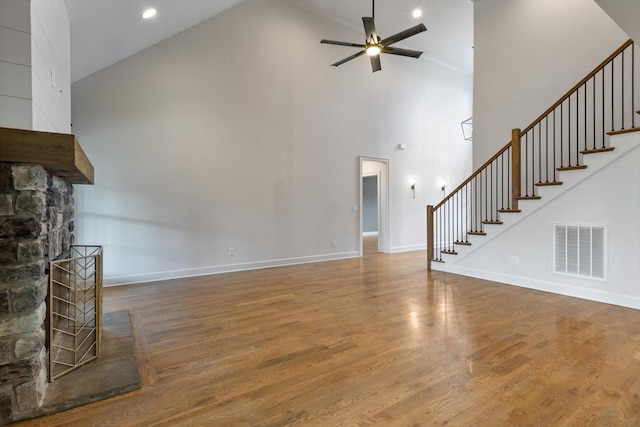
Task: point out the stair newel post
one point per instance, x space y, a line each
515 168
429 236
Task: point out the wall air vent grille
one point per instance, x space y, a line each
580 250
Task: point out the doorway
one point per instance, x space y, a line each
370 212
374 206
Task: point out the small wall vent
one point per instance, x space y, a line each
580 250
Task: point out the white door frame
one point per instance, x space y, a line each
383 203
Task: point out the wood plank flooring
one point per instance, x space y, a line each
376 340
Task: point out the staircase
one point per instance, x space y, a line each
592 126
593 163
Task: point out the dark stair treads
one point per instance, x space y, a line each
598 150
571 168
545 184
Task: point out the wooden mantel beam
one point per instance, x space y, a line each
59 153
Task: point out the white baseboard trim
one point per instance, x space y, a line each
408 248
369 233
230 268
540 285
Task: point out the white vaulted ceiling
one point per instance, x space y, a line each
106 31
449 36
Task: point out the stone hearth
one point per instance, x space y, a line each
36 226
37 170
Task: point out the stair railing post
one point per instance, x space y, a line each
515 168
429 236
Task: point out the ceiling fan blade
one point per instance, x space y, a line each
375 63
370 30
348 58
342 43
403 35
401 52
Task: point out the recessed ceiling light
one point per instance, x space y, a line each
417 13
149 13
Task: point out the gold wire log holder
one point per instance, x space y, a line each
75 310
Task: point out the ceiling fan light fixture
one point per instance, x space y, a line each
373 50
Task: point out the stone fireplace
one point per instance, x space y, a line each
37 173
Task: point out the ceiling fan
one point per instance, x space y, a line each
374 45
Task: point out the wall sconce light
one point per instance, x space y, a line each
413 183
443 185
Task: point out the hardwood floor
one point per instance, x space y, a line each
369 245
370 341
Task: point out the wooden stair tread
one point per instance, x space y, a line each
571 168
528 198
622 131
462 243
545 184
476 233
509 210
598 150
449 252
492 222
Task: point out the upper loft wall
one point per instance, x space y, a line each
626 13
527 54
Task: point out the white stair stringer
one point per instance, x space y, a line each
595 162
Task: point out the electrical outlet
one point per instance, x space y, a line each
232 251
334 243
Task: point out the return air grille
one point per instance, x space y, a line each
580 250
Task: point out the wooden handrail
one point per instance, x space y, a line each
473 175
578 85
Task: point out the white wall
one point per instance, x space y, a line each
15 64
34 43
610 197
51 66
210 141
527 54
626 13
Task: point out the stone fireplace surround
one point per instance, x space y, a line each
37 173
